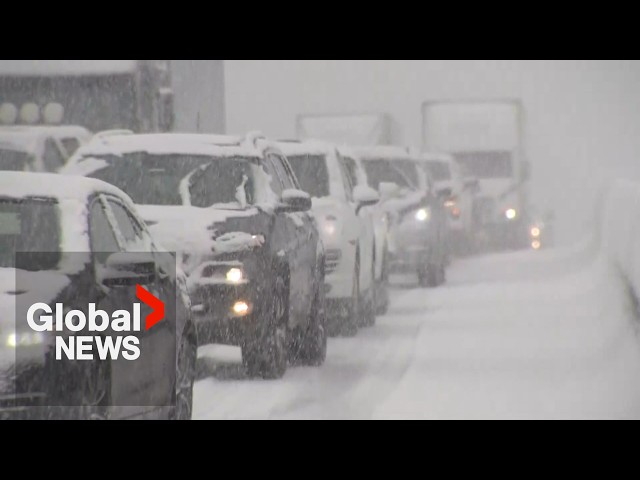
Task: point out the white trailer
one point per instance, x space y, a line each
346 129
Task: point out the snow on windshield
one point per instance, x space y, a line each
158 179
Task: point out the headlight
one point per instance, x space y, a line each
26 339
330 228
241 308
535 232
330 225
423 215
234 275
511 214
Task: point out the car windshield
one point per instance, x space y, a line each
312 174
401 173
163 179
439 171
13 160
485 164
30 226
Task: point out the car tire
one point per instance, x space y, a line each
352 319
86 389
185 378
265 352
313 347
428 276
368 314
382 289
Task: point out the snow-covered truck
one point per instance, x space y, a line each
486 140
366 129
138 95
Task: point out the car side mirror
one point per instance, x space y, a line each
124 269
365 196
294 201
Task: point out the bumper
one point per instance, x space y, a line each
214 315
339 285
339 270
409 260
412 247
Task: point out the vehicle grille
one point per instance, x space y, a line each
332 259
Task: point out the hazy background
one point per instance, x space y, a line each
582 117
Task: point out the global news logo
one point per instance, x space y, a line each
71 327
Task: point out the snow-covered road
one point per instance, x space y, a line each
526 335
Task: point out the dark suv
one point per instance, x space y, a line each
232 210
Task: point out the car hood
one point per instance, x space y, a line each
197 234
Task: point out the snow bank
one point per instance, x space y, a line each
619 235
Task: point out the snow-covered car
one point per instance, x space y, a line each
232 211
378 218
75 243
417 230
348 236
39 148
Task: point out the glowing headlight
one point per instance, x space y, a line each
241 308
234 275
329 225
23 339
536 245
330 228
535 232
511 214
422 215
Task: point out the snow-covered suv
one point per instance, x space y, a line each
231 209
347 235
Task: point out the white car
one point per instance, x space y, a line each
416 222
348 236
39 148
380 224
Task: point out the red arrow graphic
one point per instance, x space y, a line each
155 303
